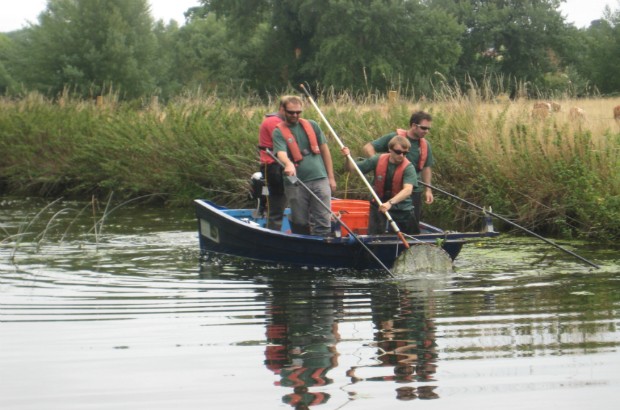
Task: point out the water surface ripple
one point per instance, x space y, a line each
133 318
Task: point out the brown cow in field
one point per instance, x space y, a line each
617 112
541 110
577 113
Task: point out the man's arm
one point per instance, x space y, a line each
401 196
289 167
426 176
369 149
348 166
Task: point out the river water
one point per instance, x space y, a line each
124 314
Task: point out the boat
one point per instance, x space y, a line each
242 233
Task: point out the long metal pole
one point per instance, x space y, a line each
359 172
296 181
512 223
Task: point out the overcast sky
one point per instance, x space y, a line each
15 14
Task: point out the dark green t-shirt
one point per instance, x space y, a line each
311 167
409 177
381 145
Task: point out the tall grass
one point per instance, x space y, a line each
556 175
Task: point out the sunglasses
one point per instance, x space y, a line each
423 128
293 112
399 152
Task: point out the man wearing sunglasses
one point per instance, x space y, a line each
302 147
394 180
420 155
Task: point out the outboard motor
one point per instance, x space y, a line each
258 193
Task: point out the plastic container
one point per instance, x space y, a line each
351 205
354 213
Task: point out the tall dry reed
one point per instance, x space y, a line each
557 174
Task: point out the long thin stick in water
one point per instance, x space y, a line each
512 223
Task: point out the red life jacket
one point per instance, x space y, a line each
423 148
381 175
269 124
291 142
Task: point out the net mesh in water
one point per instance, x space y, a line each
423 258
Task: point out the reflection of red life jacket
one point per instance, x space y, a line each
276 354
291 142
276 358
423 148
381 175
276 331
309 399
305 376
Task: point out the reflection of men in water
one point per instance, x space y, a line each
302 334
405 341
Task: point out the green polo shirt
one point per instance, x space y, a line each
311 167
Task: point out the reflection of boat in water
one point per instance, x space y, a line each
405 343
239 232
304 321
302 333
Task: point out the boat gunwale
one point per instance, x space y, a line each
386 239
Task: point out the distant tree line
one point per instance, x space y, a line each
518 47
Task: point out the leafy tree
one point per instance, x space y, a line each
165 66
6 50
90 45
384 44
358 44
602 52
93 46
205 55
519 39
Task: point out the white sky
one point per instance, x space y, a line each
15 14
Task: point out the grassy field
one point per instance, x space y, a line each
556 174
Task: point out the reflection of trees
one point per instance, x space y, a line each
405 342
302 332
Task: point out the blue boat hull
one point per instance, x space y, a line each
236 232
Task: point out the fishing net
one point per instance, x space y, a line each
422 258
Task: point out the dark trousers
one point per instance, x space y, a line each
276 200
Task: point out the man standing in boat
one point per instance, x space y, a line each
272 171
394 181
420 155
302 147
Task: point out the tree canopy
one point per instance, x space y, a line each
89 46
269 45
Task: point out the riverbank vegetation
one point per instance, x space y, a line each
97 97
556 173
